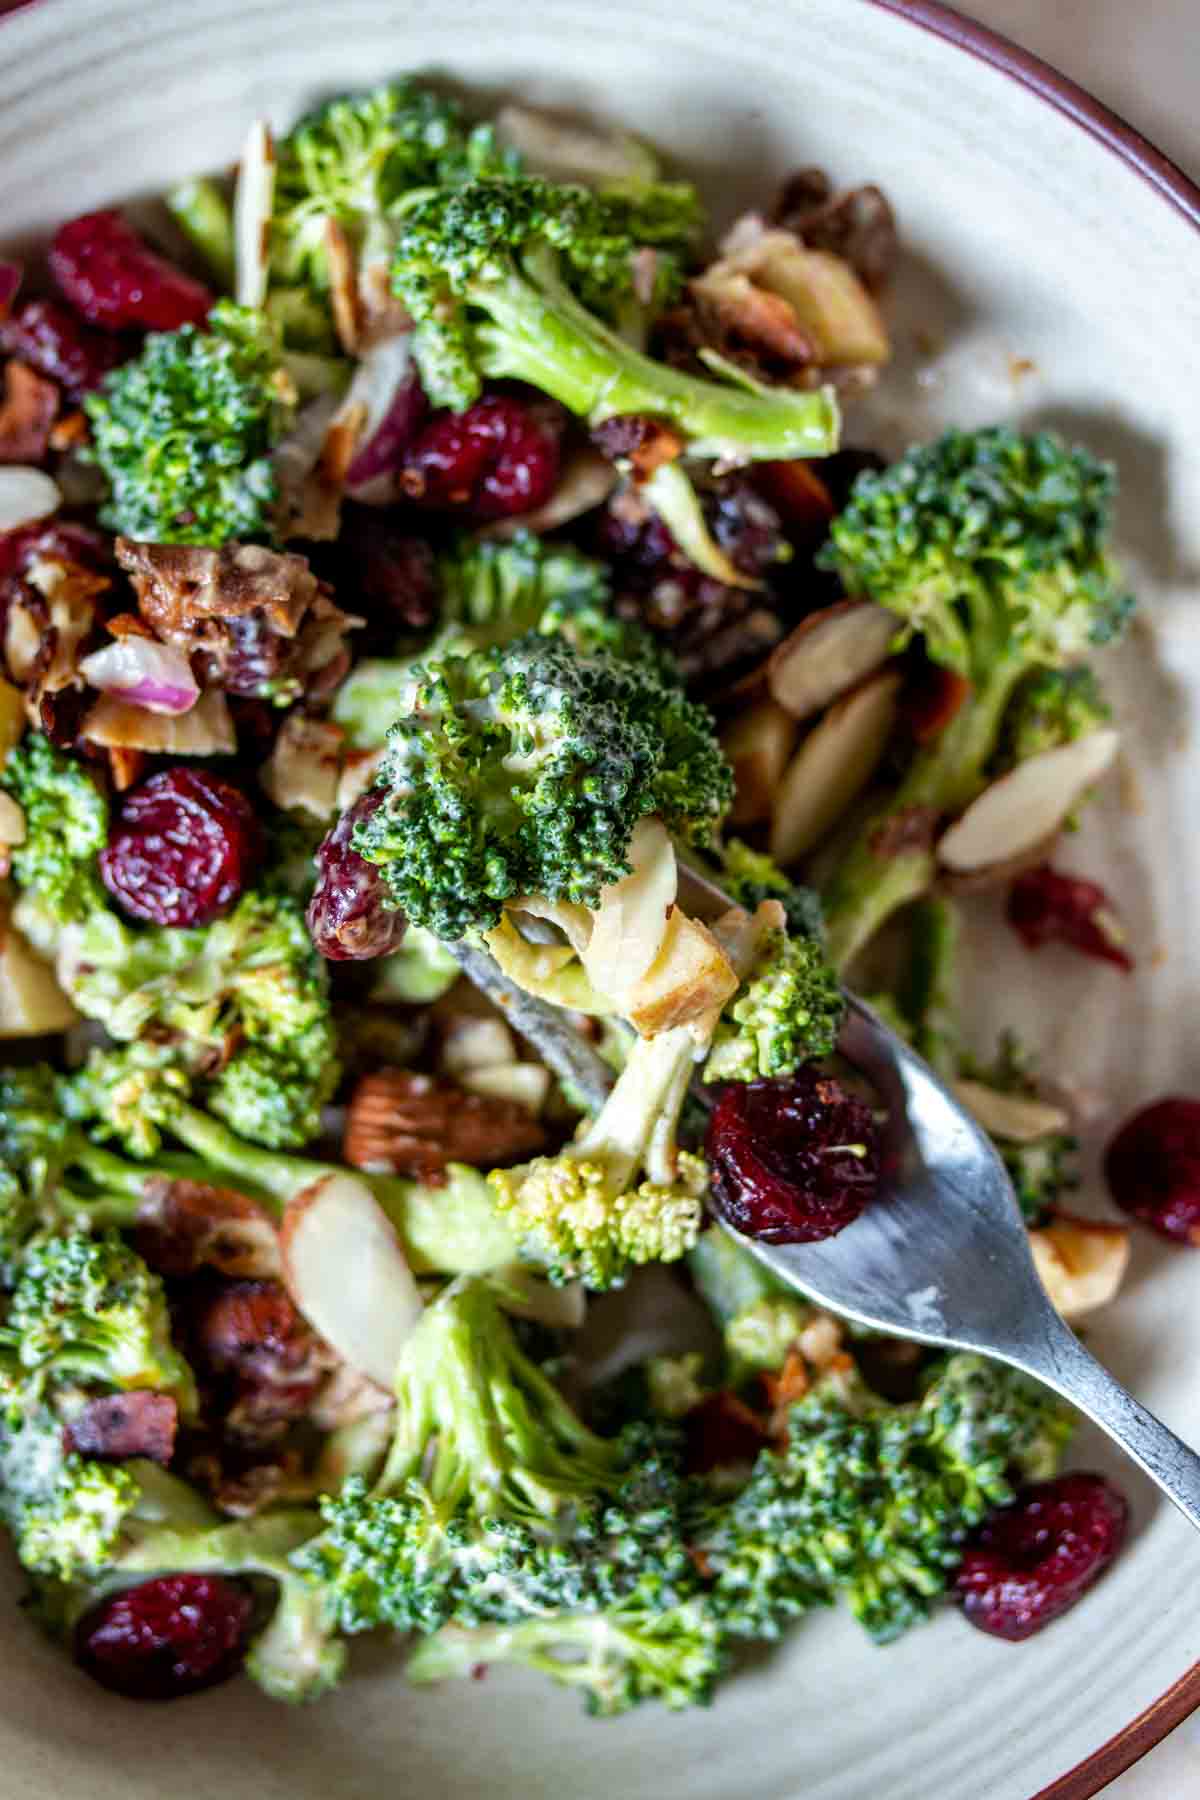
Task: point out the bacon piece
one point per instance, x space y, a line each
114 1426
27 415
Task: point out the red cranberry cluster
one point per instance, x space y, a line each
347 917
1030 1562
792 1160
497 459
168 1637
181 849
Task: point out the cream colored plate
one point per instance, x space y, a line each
1026 240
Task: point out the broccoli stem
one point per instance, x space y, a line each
203 214
871 884
540 333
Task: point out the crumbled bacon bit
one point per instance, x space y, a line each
857 224
125 766
636 438
27 414
412 1125
114 1426
933 699
190 1225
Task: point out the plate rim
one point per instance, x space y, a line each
1177 190
1182 194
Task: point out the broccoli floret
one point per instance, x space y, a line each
495 1502
615 1659
788 1010
529 279
184 432
447 1230
66 825
751 876
1051 708
491 593
992 547
65 1511
87 1309
353 158
621 1193
872 1502
759 1338
252 978
524 771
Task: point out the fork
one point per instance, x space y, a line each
940 1256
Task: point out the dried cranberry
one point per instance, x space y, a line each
1046 907
348 918
497 459
168 1637
1030 1562
53 340
114 279
792 1160
181 849
1153 1168
744 524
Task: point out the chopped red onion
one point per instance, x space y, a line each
145 672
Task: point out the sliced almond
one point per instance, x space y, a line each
586 482
343 287
476 1043
12 822
359 769
1015 1117
26 494
344 1268
31 1001
525 1084
630 923
757 744
690 976
827 297
252 201
828 653
1082 1262
207 730
833 765
301 773
1029 804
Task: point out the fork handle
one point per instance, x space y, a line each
1063 1364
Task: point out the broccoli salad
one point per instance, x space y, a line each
429 553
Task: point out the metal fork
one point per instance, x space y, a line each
941 1256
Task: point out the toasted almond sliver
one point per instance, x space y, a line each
1029 804
1015 1117
757 744
1082 1262
828 653
833 765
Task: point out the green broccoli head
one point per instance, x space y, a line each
751 876
615 1659
524 771
87 1309
66 825
184 432
788 1011
988 542
535 280
871 1502
759 1338
493 1495
252 978
621 1193
354 158
1051 708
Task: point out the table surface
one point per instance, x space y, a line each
1143 60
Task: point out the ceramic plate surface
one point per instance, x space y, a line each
1043 280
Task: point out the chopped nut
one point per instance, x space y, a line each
405 1124
125 765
